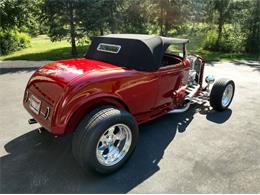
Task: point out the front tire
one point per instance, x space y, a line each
222 94
105 139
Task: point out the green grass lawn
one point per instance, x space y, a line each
43 49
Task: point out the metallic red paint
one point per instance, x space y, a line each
71 88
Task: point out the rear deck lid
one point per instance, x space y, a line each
50 81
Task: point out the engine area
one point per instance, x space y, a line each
195 71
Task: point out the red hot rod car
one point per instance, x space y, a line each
123 81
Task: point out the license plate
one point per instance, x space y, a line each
34 104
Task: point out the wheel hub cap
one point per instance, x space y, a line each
227 95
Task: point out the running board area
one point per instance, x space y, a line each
191 92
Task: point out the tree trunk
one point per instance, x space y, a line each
161 22
74 51
101 31
113 26
166 24
112 21
220 29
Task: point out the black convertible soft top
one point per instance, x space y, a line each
140 52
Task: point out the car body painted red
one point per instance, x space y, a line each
124 80
68 89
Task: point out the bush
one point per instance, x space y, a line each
231 41
210 41
13 40
24 40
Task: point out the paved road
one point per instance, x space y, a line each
199 151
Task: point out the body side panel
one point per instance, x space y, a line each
134 90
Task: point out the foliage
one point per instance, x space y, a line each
75 19
12 40
231 41
135 17
170 14
224 25
252 24
24 15
220 15
43 49
19 21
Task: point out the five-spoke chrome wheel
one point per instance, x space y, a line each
105 139
227 95
114 144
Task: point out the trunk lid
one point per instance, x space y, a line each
51 80
65 71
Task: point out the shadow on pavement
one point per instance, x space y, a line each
40 163
250 63
219 117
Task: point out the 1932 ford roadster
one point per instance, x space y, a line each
123 81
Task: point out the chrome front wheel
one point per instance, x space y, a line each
227 95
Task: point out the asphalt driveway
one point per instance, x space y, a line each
200 151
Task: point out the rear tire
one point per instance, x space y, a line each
222 94
105 139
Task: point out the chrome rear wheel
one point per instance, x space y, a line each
114 144
105 139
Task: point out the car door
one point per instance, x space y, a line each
171 78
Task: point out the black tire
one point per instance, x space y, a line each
89 131
217 92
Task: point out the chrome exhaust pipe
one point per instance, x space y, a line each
32 121
180 110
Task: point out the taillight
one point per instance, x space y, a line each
46 114
26 96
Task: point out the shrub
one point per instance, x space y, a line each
210 41
24 40
13 40
232 40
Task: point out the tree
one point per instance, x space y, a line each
107 15
252 24
222 7
20 14
170 14
63 21
135 16
18 18
76 19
